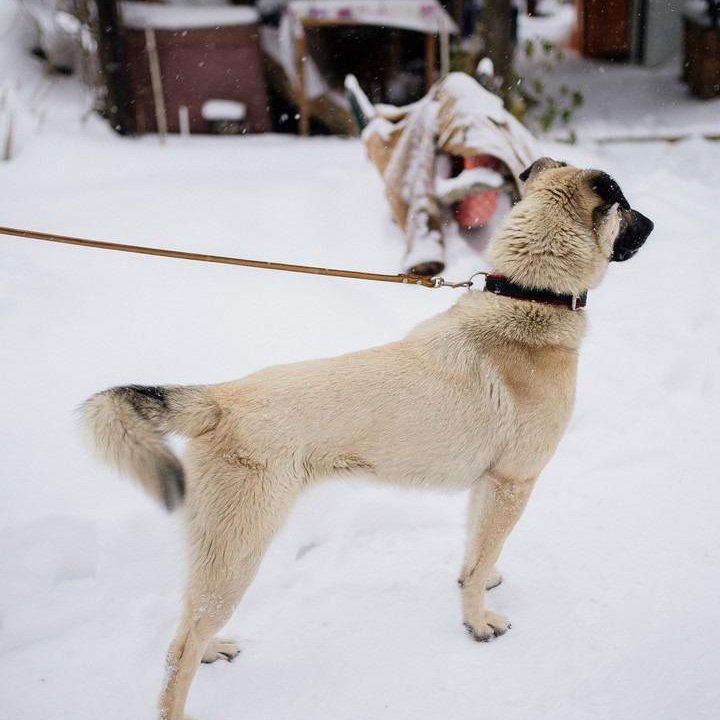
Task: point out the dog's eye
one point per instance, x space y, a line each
604 213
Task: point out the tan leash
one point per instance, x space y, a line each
428 282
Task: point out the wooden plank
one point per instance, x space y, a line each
300 62
156 82
430 59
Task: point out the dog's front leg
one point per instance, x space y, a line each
496 503
474 515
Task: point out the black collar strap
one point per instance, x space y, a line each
500 285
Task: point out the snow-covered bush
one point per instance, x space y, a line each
54 30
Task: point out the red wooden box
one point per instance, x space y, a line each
204 53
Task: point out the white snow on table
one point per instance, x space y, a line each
426 16
185 17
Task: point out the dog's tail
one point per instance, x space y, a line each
129 426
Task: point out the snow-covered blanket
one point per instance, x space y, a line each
457 117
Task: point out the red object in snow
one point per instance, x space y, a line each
477 210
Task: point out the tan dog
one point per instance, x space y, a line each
494 376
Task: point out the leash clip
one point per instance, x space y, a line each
438 281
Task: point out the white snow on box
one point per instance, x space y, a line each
224 110
141 15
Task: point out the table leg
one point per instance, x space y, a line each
430 58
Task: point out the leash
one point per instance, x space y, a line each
422 280
497 284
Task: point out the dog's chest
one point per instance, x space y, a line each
541 389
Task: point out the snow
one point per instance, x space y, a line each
420 15
612 576
224 110
185 17
468 182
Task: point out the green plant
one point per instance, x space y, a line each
534 100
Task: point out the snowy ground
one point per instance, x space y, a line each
612 577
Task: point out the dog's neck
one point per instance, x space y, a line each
543 250
501 285
487 320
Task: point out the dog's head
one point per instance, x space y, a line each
569 225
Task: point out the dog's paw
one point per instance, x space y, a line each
220 650
492 625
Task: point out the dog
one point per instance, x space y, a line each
474 399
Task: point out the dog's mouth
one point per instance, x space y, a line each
623 254
634 232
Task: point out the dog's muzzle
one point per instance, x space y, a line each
635 230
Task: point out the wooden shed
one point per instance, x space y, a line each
180 58
643 32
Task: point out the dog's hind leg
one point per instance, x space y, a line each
231 520
498 502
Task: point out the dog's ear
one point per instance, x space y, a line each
607 190
544 163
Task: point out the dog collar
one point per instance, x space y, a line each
500 285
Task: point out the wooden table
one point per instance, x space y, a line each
433 22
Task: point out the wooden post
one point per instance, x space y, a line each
184 119
444 47
300 64
497 15
114 67
156 82
430 59
455 9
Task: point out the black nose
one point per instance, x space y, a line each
635 231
